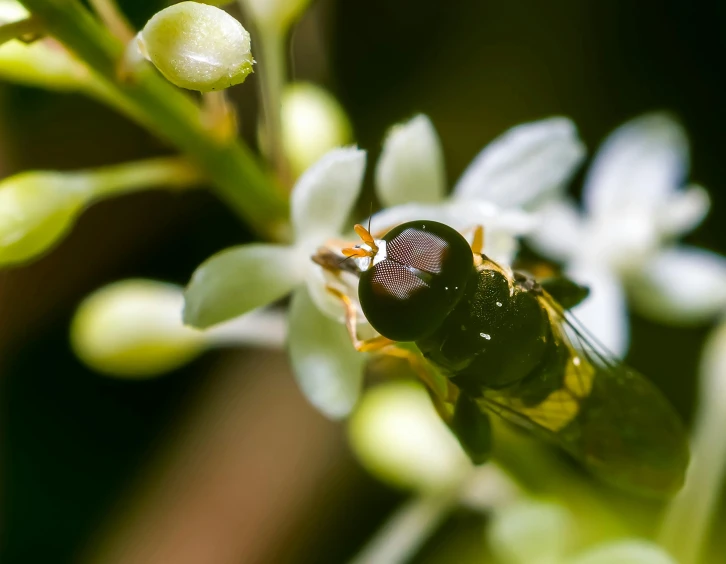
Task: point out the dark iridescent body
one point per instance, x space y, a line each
507 345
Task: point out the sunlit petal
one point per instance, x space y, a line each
526 164
238 280
680 285
324 195
559 230
411 166
604 313
328 369
640 164
684 211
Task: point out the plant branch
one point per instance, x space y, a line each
15 30
236 175
407 529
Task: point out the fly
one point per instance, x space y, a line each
507 345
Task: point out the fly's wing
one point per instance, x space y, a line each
602 412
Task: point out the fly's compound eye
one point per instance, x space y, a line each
407 293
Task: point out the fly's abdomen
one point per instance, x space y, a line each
497 335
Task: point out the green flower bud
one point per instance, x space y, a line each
397 435
275 14
36 210
12 11
312 124
530 532
133 328
197 46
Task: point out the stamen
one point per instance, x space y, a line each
356 252
367 238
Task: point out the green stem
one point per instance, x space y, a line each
13 30
235 173
114 19
407 529
688 518
272 81
163 172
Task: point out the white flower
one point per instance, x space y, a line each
240 279
521 167
525 166
634 208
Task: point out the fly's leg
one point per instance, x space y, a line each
442 396
351 322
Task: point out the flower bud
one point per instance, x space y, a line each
133 328
36 210
530 532
275 14
197 46
397 435
12 11
313 123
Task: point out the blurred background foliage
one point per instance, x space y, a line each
266 478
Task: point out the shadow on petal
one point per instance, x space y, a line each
328 369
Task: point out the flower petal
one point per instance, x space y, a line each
604 312
327 367
526 164
684 211
501 227
680 285
640 164
238 280
324 195
559 230
631 551
411 166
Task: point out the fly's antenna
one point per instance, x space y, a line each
370 216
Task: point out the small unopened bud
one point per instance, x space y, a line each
197 46
12 11
275 14
397 435
133 328
313 123
36 210
529 532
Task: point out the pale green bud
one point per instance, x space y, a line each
36 210
397 435
313 123
197 46
133 328
12 11
275 14
530 532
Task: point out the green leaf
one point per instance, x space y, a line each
328 369
238 280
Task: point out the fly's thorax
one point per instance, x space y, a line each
415 279
497 334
